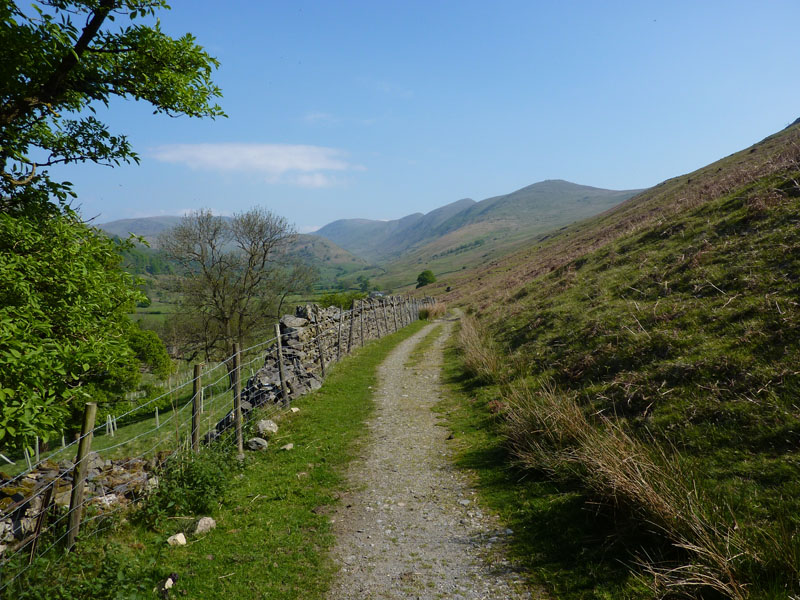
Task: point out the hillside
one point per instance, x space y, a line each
533 209
665 334
147 227
330 260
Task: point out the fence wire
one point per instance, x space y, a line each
160 439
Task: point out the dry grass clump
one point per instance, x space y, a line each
437 310
482 359
548 431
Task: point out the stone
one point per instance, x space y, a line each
266 426
294 409
464 502
289 446
177 540
94 462
256 444
204 525
294 322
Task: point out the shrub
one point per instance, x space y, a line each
189 484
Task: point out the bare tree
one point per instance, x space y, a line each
234 274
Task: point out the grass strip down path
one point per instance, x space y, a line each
273 535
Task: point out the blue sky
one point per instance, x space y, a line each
379 109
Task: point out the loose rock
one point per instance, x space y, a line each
256 444
204 525
265 427
177 540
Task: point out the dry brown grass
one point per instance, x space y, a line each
481 356
548 431
437 310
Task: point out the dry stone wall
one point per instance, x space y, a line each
311 339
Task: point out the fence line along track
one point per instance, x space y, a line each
119 467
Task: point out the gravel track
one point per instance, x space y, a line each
411 527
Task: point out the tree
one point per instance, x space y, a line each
425 278
61 59
363 283
64 331
235 273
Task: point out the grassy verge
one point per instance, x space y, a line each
569 546
272 536
416 356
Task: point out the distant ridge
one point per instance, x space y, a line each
543 206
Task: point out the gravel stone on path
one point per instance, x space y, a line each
411 527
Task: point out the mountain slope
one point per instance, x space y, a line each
670 327
539 207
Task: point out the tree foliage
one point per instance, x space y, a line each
64 332
235 275
60 60
425 278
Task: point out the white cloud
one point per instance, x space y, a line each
292 164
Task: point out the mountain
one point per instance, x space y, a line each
652 356
539 207
329 259
147 227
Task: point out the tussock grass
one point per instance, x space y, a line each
548 431
437 310
482 359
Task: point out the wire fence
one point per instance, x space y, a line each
84 484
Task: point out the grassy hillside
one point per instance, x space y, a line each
651 354
330 260
527 212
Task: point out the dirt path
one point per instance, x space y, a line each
411 528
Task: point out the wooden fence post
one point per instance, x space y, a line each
339 342
197 404
361 319
237 400
394 312
157 423
378 333
281 372
352 317
385 320
79 474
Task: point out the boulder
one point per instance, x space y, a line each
256 444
